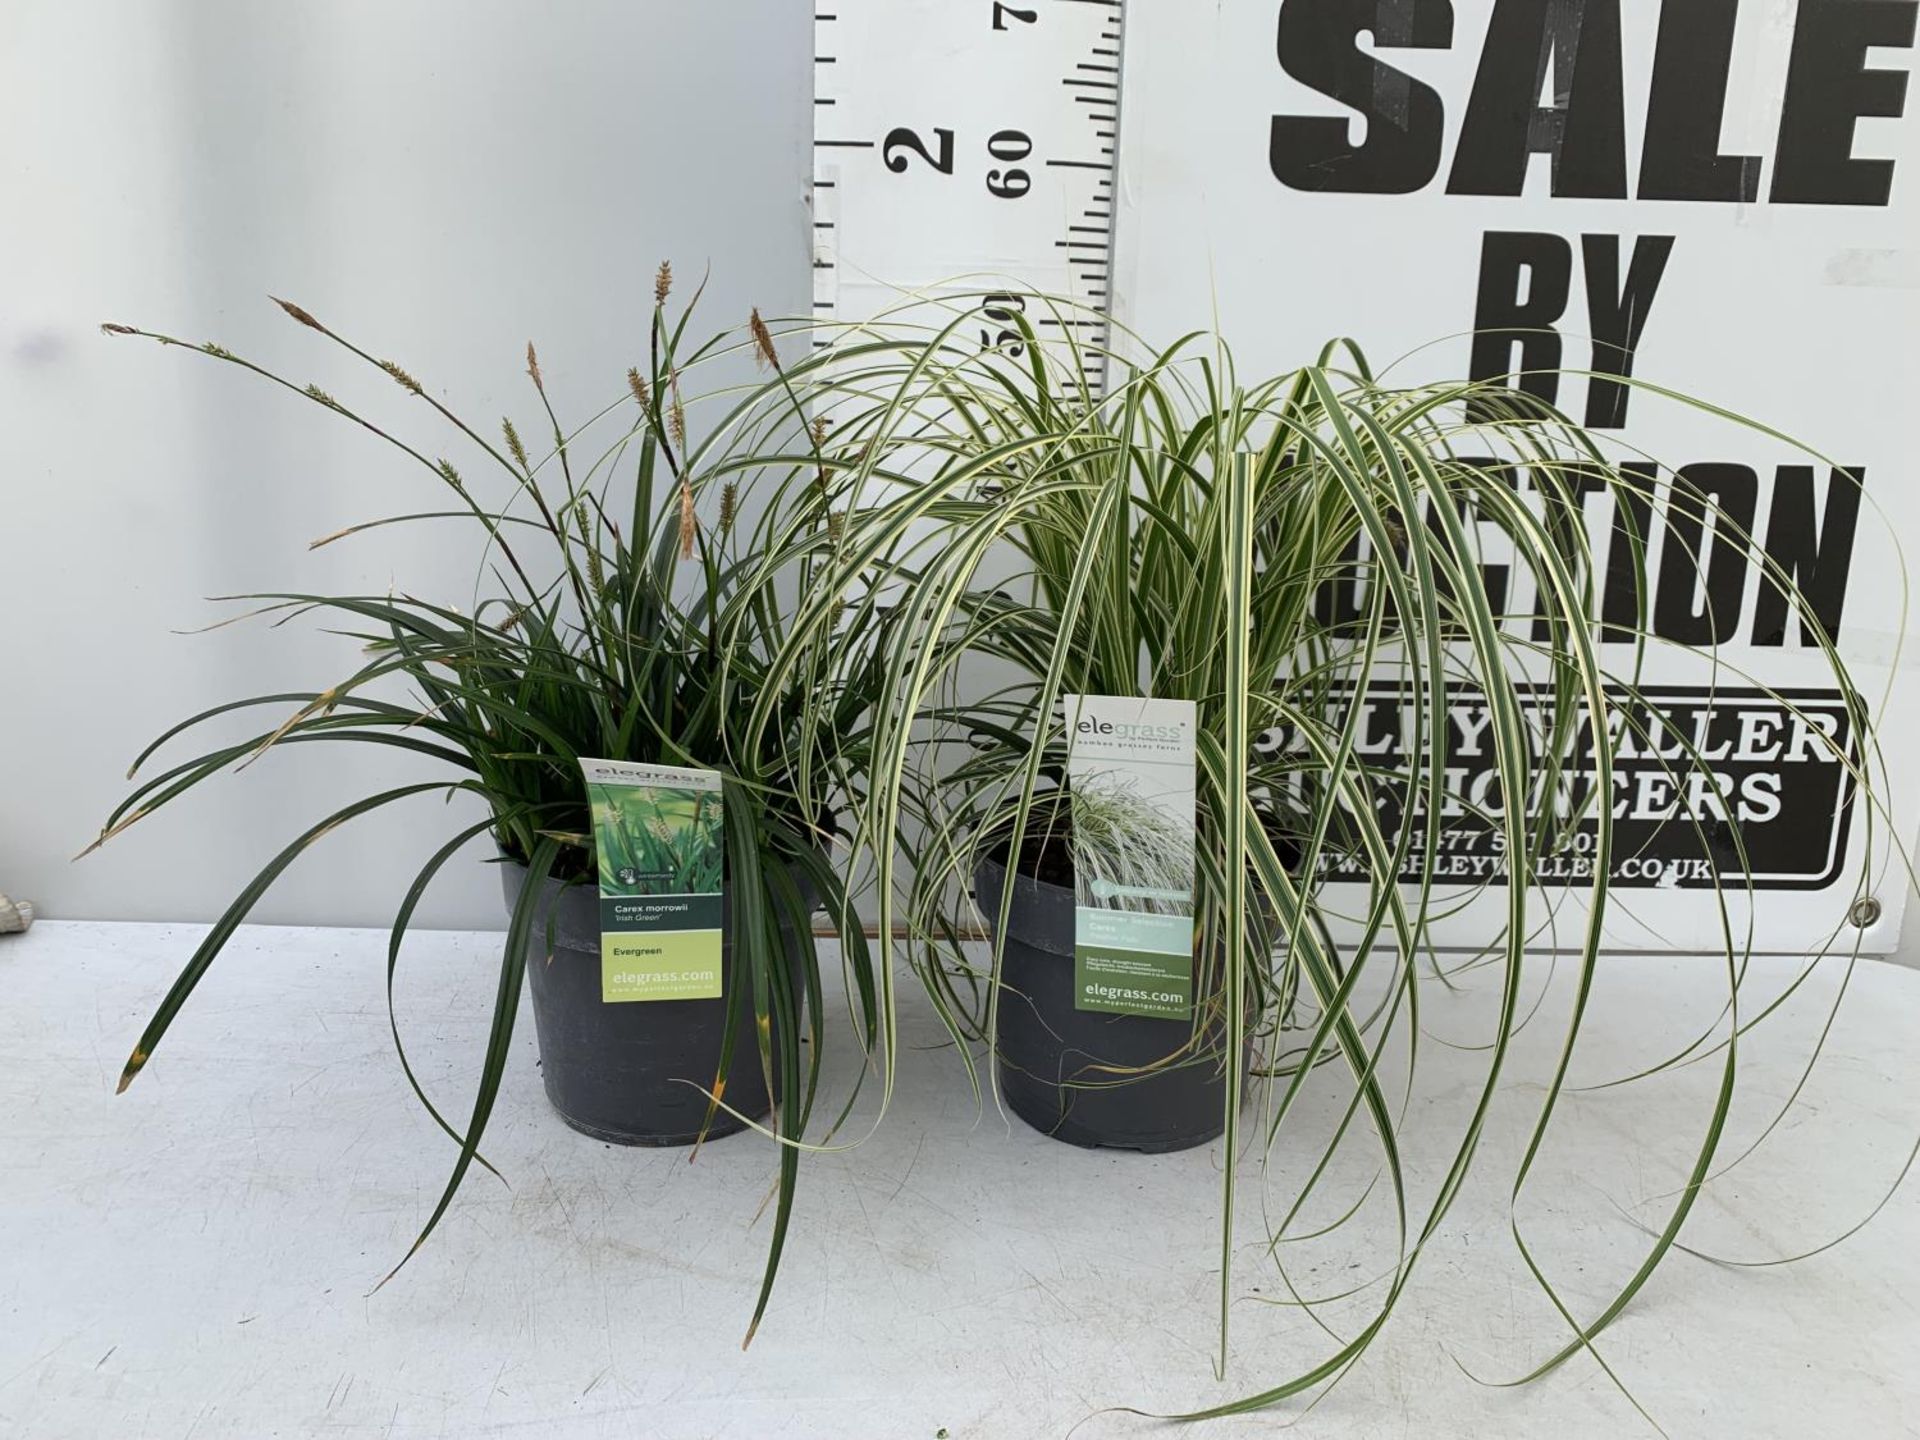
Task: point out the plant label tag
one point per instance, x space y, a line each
659 839
1130 775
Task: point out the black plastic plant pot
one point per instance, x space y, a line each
1122 1082
634 1072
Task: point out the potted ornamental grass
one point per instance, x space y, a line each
1056 665
635 622
1255 560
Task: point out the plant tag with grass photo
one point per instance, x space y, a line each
1130 774
659 835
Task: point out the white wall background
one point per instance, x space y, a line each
441 181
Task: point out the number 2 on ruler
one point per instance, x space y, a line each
901 138
1005 146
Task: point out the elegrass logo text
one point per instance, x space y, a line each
1093 990
663 978
1126 727
1125 730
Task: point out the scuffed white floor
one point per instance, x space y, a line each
195 1257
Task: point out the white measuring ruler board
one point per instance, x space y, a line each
965 145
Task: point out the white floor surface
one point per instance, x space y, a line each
194 1258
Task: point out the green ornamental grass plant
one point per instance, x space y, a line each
1275 552
627 616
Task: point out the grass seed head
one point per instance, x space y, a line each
301 315
764 353
401 378
514 447
596 570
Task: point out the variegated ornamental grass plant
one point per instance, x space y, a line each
1270 550
627 615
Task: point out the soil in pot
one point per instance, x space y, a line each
1126 1082
635 1073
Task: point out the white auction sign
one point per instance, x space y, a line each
1717 196
1714 196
